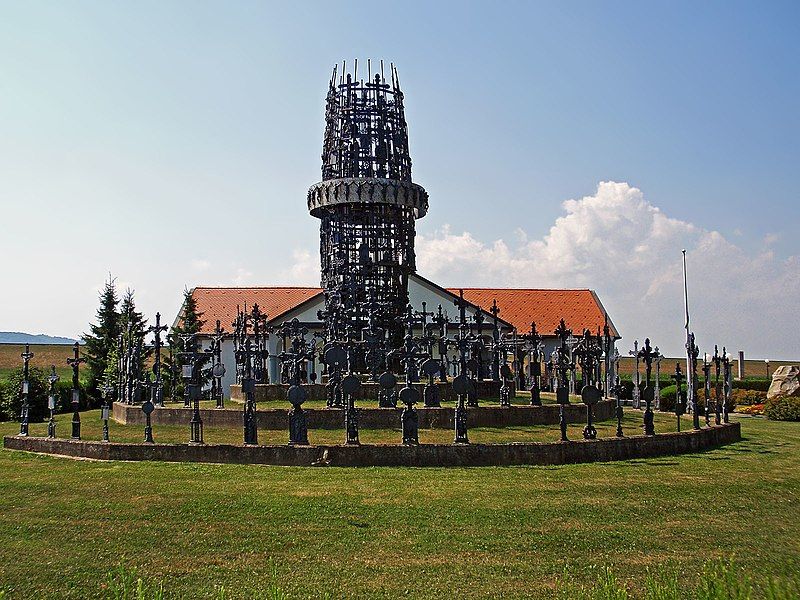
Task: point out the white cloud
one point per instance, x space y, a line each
304 269
243 277
629 251
200 265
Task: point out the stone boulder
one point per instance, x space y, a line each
785 382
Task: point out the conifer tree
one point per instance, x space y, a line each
133 327
190 321
102 338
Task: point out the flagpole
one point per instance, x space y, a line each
689 375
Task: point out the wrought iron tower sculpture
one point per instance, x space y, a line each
366 202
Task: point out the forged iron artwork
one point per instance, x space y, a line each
105 410
366 202
588 351
563 366
193 360
616 389
52 379
693 353
707 387
75 363
244 357
217 366
717 386
679 402
24 411
726 397
534 347
295 357
637 398
648 354
156 330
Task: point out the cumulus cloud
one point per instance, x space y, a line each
629 251
304 269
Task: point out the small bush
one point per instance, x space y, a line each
756 384
753 409
783 409
748 397
11 400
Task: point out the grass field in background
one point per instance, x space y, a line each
392 532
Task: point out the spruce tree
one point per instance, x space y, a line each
190 321
133 327
102 339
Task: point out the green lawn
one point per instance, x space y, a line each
392 532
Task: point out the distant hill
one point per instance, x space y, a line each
15 337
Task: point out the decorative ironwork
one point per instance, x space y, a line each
563 366
217 366
717 386
244 358
707 388
75 363
679 402
105 410
534 347
727 372
156 330
295 357
637 381
648 354
366 203
25 410
693 353
52 379
192 360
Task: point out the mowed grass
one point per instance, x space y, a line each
392 532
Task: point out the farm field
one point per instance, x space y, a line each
392 532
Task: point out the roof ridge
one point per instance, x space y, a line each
257 287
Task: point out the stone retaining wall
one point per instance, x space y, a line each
369 418
424 455
276 392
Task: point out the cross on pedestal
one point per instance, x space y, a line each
678 379
563 366
156 330
245 357
217 366
647 354
495 311
23 417
192 361
75 363
717 387
693 353
534 346
52 379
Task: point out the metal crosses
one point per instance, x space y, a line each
693 353
495 310
717 387
726 363
648 355
105 410
217 366
707 387
244 356
75 363
563 366
295 357
192 361
366 203
534 347
637 399
588 351
679 405
52 379
23 420
157 345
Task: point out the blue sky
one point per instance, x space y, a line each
173 142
